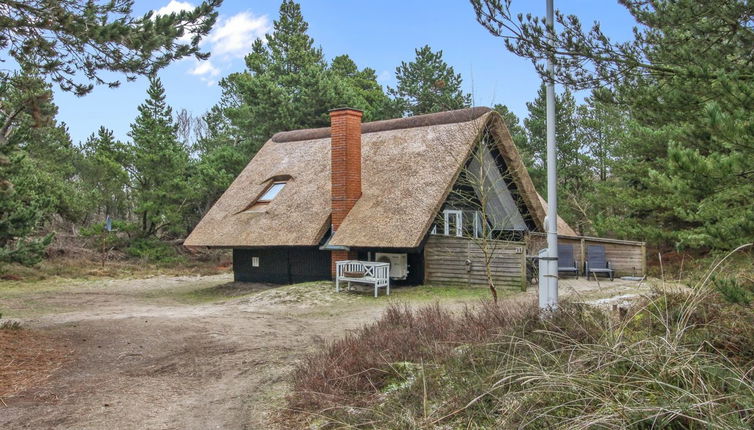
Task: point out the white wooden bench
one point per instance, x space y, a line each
364 272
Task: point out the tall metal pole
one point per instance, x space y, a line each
552 185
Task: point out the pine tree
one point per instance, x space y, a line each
360 88
283 78
34 168
103 171
70 39
574 165
601 128
290 49
220 158
570 157
428 84
76 44
159 166
686 82
287 85
281 85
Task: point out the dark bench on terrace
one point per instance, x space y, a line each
566 260
596 262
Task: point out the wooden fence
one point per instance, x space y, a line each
628 258
460 260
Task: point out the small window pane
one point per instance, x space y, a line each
272 191
453 222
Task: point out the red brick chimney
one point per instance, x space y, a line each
345 136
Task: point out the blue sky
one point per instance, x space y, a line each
377 34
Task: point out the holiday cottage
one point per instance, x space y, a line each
387 191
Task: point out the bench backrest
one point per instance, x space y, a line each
565 255
595 256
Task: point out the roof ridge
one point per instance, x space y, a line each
446 117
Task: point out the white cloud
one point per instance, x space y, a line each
174 6
233 37
385 77
206 71
205 68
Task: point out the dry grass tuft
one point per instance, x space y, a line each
356 369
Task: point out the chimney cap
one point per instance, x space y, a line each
345 108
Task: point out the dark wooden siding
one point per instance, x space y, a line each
281 265
446 256
628 258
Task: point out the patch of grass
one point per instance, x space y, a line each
313 295
445 292
323 292
10 325
306 293
23 299
87 269
225 291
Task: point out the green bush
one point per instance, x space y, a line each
734 289
27 252
124 236
153 250
119 237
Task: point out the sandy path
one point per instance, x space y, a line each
143 359
154 364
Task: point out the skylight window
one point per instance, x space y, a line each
271 192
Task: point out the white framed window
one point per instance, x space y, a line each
254 261
453 222
271 192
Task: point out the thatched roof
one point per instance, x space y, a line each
408 168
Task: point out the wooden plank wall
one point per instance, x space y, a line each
628 258
445 260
